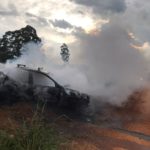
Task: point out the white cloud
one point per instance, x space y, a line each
104 7
39 14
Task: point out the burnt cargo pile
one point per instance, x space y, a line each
25 84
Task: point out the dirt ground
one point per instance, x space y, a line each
126 128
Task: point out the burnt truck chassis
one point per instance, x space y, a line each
12 91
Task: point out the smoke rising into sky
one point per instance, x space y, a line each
115 68
111 70
108 41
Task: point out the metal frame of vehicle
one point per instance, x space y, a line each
23 67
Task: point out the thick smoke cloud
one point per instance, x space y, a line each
34 57
115 68
111 67
104 6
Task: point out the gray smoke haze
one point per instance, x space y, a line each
64 74
110 67
115 68
103 63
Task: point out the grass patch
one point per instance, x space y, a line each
36 135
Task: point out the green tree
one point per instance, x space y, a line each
65 53
12 42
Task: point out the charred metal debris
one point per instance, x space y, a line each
35 85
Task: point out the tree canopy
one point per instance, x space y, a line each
65 52
12 42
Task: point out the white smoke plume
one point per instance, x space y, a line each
34 56
115 68
112 67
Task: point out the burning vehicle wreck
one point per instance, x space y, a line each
28 84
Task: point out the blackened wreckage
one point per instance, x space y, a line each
30 84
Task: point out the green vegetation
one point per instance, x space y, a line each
36 135
12 42
65 53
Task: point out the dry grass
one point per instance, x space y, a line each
23 129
